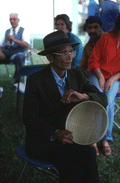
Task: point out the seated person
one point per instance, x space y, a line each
93 26
50 95
14 45
62 22
104 66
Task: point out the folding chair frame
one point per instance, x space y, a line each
43 167
117 108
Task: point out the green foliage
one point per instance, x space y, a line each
38 44
12 134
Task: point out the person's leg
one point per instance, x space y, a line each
111 94
93 79
110 111
75 163
18 59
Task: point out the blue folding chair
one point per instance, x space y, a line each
39 164
117 108
24 72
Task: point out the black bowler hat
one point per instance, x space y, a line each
55 40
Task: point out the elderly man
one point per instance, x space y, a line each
15 44
50 95
93 26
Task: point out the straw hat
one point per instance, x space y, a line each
88 121
55 40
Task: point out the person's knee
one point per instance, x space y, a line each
20 57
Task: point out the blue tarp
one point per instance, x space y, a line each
93 8
108 13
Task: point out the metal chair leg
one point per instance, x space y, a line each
7 70
21 172
117 125
117 109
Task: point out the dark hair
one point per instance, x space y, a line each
66 19
116 27
91 20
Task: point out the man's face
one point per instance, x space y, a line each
60 63
94 30
14 21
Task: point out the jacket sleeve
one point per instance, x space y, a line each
32 116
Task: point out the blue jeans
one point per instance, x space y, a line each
111 103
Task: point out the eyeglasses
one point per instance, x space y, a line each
65 54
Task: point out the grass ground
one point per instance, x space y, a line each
13 134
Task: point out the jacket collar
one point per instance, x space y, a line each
51 88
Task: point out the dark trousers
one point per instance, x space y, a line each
75 163
15 55
18 60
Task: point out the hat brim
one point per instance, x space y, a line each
47 51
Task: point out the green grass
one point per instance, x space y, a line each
13 134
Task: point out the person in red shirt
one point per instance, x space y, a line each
104 66
93 27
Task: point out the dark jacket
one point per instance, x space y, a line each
44 113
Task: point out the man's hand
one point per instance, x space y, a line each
63 136
110 81
20 42
10 37
73 96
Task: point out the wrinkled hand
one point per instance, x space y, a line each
10 37
73 96
102 82
64 136
108 84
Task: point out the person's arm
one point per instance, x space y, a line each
111 80
2 56
83 63
74 96
100 76
86 91
63 136
95 58
79 49
21 43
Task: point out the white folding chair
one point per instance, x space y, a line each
117 108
